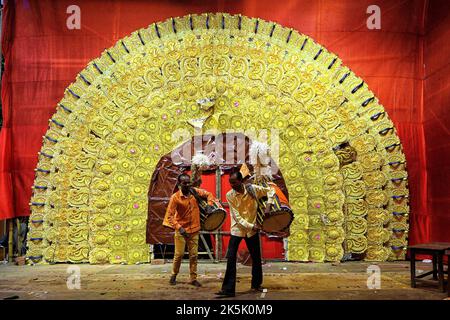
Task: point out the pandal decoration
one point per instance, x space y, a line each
339 152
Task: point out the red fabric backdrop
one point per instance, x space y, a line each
404 63
436 118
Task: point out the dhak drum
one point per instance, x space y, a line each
279 218
211 216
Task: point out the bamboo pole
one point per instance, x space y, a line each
19 239
10 240
4 230
218 238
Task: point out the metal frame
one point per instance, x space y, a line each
11 240
4 225
219 233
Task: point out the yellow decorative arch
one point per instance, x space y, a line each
339 152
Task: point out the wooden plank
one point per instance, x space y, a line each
207 248
424 274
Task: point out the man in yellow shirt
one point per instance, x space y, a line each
183 215
243 204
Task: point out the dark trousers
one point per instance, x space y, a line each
229 282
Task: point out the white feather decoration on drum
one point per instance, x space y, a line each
199 163
260 158
258 149
201 160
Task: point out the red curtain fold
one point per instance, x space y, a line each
436 118
42 57
7 209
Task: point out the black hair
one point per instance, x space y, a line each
237 174
181 176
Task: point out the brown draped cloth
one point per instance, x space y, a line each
164 178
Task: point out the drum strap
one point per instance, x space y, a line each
199 199
251 191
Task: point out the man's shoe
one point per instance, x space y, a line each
196 283
224 294
173 280
259 289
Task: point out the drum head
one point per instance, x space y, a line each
277 222
215 220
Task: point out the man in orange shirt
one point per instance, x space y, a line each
183 215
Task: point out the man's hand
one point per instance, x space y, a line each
268 208
182 231
257 227
209 209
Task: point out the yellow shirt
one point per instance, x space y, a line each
243 209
